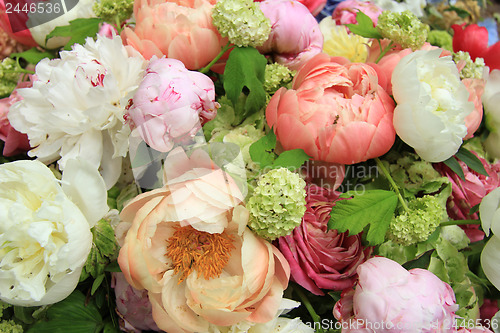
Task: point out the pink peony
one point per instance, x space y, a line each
289 43
171 104
396 300
107 30
469 192
178 29
336 112
473 120
132 305
321 258
314 6
15 142
345 12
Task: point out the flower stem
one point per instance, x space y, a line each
309 307
459 222
394 186
384 51
226 47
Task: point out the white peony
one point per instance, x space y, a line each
491 104
432 104
76 107
489 211
45 236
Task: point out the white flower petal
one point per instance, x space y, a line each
490 257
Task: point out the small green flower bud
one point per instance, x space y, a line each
403 28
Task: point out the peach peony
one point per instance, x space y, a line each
336 111
179 29
196 274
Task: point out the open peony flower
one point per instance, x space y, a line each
396 300
76 106
321 258
45 231
189 247
178 29
291 44
432 104
171 104
474 39
336 111
491 102
489 212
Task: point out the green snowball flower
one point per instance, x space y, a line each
276 76
418 222
10 326
472 69
403 28
440 38
242 21
114 11
277 204
9 75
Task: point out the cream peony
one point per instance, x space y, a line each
489 212
45 231
432 104
491 103
76 106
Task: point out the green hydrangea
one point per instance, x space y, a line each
276 76
472 69
114 11
403 28
10 326
277 204
9 75
242 21
418 222
440 38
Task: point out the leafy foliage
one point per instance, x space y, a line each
78 30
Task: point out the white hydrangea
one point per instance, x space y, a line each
76 106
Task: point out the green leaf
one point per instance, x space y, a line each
462 13
24 314
453 164
245 67
97 283
33 55
262 151
364 27
78 30
471 160
374 208
421 261
291 159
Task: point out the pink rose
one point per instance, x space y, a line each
320 258
133 306
400 300
171 104
289 43
176 29
196 273
336 112
345 12
469 192
15 142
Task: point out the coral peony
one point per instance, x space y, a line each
189 247
178 29
396 300
321 258
289 43
474 39
346 11
171 104
336 111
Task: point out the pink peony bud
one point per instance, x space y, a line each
171 104
107 30
345 12
320 258
388 298
291 44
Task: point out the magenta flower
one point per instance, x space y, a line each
321 258
171 104
289 43
396 300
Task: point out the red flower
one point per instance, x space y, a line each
474 39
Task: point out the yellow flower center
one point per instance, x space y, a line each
190 249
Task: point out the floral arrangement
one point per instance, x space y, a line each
237 166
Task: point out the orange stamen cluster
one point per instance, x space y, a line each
190 249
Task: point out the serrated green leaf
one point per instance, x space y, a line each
365 27
291 159
33 55
373 208
471 160
97 283
453 164
245 67
262 151
78 30
422 261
